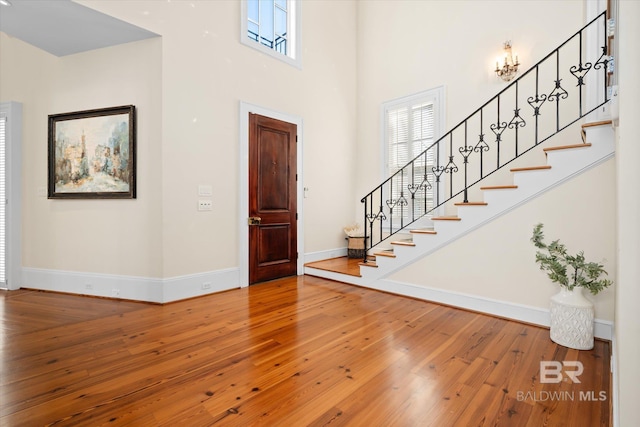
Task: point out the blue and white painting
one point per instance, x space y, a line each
92 155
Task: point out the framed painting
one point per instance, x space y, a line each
92 154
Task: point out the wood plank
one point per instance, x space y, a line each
446 218
567 147
403 243
471 204
343 265
424 231
531 168
499 187
295 351
388 254
600 123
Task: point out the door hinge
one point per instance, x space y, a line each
296 216
296 177
296 138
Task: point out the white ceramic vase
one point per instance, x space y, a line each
572 319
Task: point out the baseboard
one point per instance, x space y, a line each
131 287
322 255
603 329
195 285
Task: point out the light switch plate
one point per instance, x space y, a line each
205 190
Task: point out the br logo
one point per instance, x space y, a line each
552 372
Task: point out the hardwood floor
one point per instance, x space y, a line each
343 265
293 352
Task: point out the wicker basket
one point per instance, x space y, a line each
355 248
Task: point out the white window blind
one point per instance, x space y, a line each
410 130
3 201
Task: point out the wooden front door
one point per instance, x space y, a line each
273 232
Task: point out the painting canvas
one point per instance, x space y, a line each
92 154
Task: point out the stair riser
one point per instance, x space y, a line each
444 227
561 158
400 251
499 197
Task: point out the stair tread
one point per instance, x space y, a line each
470 204
403 243
601 123
565 147
368 264
445 218
531 168
388 254
424 231
499 187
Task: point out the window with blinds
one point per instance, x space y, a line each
3 204
411 126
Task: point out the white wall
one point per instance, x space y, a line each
627 317
405 47
497 261
99 236
187 86
206 73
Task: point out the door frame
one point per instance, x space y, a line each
13 215
243 179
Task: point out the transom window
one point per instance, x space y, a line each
271 26
268 23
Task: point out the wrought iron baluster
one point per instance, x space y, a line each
481 146
381 215
517 121
391 204
497 129
558 92
451 167
536 102
364 222
437 171
424 185
579 72
465 152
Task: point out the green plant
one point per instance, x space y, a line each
568 270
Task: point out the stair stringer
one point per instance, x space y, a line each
565 164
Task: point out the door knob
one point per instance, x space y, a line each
254 220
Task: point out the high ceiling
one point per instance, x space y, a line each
62 27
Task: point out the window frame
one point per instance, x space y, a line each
293 56
435 96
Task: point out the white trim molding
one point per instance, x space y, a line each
194 285
133 288
323 255
535 315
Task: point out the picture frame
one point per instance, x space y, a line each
92 154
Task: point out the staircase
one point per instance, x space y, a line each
476 172
562 163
